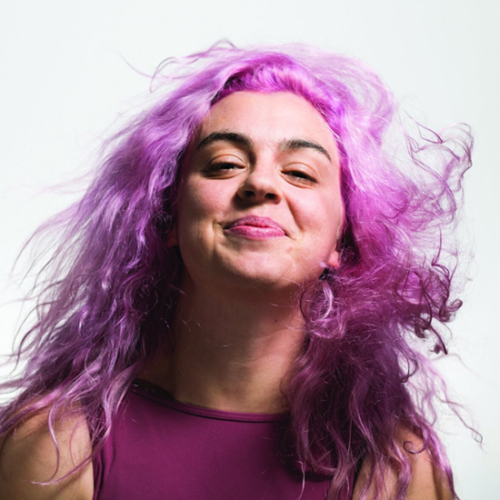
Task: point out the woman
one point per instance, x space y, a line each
234 303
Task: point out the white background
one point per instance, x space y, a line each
66 76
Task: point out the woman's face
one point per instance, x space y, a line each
259 197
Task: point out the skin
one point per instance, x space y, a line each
28 454
427 483
238 325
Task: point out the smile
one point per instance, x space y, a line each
255 228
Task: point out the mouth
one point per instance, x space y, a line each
254 227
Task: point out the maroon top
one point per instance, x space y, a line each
162 449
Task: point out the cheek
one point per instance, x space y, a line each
319 213
201 205
323 217
193 203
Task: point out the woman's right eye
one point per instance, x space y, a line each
223 167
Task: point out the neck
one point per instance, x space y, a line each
230 353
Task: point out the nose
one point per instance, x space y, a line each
260 185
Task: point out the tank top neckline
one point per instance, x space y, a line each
161 396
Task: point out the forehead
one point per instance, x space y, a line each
269 118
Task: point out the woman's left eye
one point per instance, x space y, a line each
301 176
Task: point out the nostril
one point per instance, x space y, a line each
254 193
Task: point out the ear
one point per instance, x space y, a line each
333 260
172 239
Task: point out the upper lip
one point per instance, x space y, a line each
256 221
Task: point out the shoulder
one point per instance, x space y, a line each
427 481
28 455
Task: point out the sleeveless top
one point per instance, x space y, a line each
160 448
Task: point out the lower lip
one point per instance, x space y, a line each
256 233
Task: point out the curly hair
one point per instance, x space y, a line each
107 293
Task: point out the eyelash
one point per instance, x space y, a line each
303 176
222 166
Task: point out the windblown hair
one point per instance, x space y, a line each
109 289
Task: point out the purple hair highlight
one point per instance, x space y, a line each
109 289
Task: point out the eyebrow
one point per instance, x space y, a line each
243 140
233 137
294 144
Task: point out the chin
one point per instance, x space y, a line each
261 280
